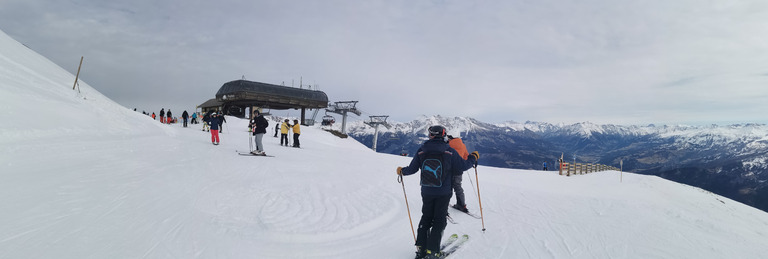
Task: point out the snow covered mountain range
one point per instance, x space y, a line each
729 160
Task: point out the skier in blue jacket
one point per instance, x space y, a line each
436 160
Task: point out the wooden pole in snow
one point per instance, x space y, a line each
78 73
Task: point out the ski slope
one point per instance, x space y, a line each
83 177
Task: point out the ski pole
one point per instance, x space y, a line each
482 219
250 140
408 207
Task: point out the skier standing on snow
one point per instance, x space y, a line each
169 117
222 120
194 118
153 115
296 132
284 132
277 129
185 116
260 125
162 115
437 161
206 118
214 122
458 145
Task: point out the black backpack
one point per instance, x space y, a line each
435 168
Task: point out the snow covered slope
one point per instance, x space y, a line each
82 177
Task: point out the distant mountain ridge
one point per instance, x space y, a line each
728 160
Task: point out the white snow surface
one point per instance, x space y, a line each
82 177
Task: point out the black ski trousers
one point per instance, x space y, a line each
456 185
284 137
296 139
434 209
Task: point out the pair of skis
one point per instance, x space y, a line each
453 243
251 154
452 221
467 212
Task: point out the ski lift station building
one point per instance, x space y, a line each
235 97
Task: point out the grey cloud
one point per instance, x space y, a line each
602 61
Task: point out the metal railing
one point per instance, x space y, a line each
583 168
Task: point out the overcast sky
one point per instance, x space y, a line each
603 61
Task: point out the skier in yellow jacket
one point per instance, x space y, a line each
296 133
284 132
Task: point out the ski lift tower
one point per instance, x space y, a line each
375 122
343 108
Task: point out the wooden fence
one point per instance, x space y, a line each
581 168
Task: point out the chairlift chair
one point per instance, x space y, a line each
328 120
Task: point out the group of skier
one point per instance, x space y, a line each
214 120
258 126
285 129
442 161
167 117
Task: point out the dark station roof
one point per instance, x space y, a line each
212 103
247 93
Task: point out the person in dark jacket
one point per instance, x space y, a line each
185 116
222 120
259 124
277 129
162 115
206 118
435 187
214 122
168 117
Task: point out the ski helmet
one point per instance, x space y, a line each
437 131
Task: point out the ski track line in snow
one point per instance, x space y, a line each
172 232
303 215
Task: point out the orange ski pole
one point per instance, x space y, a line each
482 219
400 179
